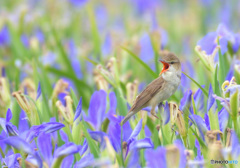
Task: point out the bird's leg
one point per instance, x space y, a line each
153 112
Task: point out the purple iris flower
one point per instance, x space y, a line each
186 100
7 126
223 116
199 100
156 158
209 42
43 128
25 40
146 52
78 3
50 59
185 81
102 15
200 123
24 146
128 136
134 159
199 156
45 150
86 161
4 36
235 146
11 161
143 6
210 100
107 45
72 51
165 113
97 108
39 35
39 90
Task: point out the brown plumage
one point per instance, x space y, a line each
159 89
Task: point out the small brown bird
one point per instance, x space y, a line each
161 88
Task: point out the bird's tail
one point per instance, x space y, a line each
127 117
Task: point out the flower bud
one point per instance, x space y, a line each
28 107
213 136
181 124
173 108
5 96
229 137
60 87
30 88
173 156
66 111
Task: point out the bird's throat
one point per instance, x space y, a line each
165 67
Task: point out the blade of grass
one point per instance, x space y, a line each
204 91
93 147
144 65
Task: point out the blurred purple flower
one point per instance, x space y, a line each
199 156
99 137
78 110
102 15
86 161
43 128
4 36
22 145
97 108
72 51
78 3
182 160
235 146
185 81
46 148
25 40
199 122
223 116
11 161
199 100
113 103
143 6
186 100
156 158
165 113
107 45
67 161
134 159
206 119
66 149
209 42
7 126
39 35
49 59
210 100
39 90
146 52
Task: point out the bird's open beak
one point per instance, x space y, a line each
165 66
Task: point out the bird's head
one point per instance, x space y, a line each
170 62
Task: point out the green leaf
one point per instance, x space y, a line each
204 91
217 87
74 97
93 147
121 102
234 104
223 65
144 65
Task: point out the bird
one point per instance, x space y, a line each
159 89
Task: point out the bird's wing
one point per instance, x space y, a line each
147 93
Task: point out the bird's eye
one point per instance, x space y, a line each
171 62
